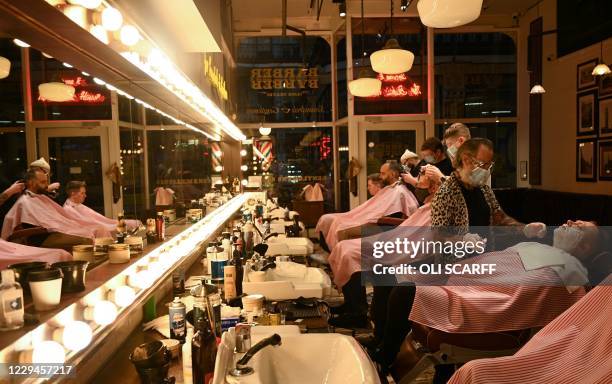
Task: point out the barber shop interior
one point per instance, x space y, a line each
306 191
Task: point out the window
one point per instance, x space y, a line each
11 94
341 84
13 158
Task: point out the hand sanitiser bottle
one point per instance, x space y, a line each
11 300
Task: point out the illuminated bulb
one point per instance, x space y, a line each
20 43
218 168
85 73
89 4
48 352
99 33
243 152
122 296
99 81
244 182
5 67
244 168
67 65
129 35
77 14
537 89
371 144
265 131
110 87
47 55
111 19
141 279
600 70
75 336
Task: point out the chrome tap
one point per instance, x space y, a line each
243 338
242 369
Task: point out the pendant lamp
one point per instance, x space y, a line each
601 69
364 86
5 67
392 59
537 89
448 13
56 91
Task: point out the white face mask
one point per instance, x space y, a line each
429 159
452 151
567 238
479 176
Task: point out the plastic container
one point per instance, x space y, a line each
46 288
118 253
74 274
83 252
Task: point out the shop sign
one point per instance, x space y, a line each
397 86
211 72
284 78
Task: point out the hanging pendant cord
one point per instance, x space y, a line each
391 18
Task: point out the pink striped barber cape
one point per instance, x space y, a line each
576 347
389 200
346 258
512 299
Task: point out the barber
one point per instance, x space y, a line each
434 157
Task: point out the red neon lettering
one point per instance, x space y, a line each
75 82
398 78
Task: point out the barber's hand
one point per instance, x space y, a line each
535 229
433 173
473 238
409 179
53 186
17 187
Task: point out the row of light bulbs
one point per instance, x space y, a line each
102 309
156 64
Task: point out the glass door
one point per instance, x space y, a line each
80 154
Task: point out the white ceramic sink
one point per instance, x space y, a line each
315 358
289 281
282 245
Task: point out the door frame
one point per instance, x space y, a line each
43 134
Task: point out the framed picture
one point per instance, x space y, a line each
584 79
586 113
586 169
605 116
605 160
605 85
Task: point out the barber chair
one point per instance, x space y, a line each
310 211
33 236
426 347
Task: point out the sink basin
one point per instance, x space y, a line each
316 358
282 245
290 280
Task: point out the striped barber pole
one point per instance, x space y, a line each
217 154
265 147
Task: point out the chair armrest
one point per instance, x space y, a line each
26 233
392 221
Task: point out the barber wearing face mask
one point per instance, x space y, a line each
433 156
465 200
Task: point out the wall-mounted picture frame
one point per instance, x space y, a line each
605 116
586 113
605 159
605 85
584 78
586 160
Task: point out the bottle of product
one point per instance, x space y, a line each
229 281
248 238
160 226
178 325
178 282
121 228
151 231
11 300
237 261
186 356
203 352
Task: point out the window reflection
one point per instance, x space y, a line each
11 95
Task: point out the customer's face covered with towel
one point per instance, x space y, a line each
578 238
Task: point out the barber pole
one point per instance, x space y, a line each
265 148
215 148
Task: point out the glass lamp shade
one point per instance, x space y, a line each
601 70
392 59
56 91
448 13
265 131
5 67
537 89
365 87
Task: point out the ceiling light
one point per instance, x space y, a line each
365 86
47 55
392 59
111 19
448 13
404 5
600 70
537 89
20 43
67 65
99 81
85 73
56 91
342 9
265 131
129 35
5 67
99 33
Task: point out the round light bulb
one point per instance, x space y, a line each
218 168
48 352
77 14
129 35
111 19
123 296
99 33
371 144
244 168
265 131
243 152
103 312
75 336
244 182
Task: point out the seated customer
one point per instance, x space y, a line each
532 284
77 193
394 198
375 183
573 348
36 209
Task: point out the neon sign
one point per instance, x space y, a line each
399 78
82 96
397 86
324 147
400 90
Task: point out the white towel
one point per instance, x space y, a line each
536 256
